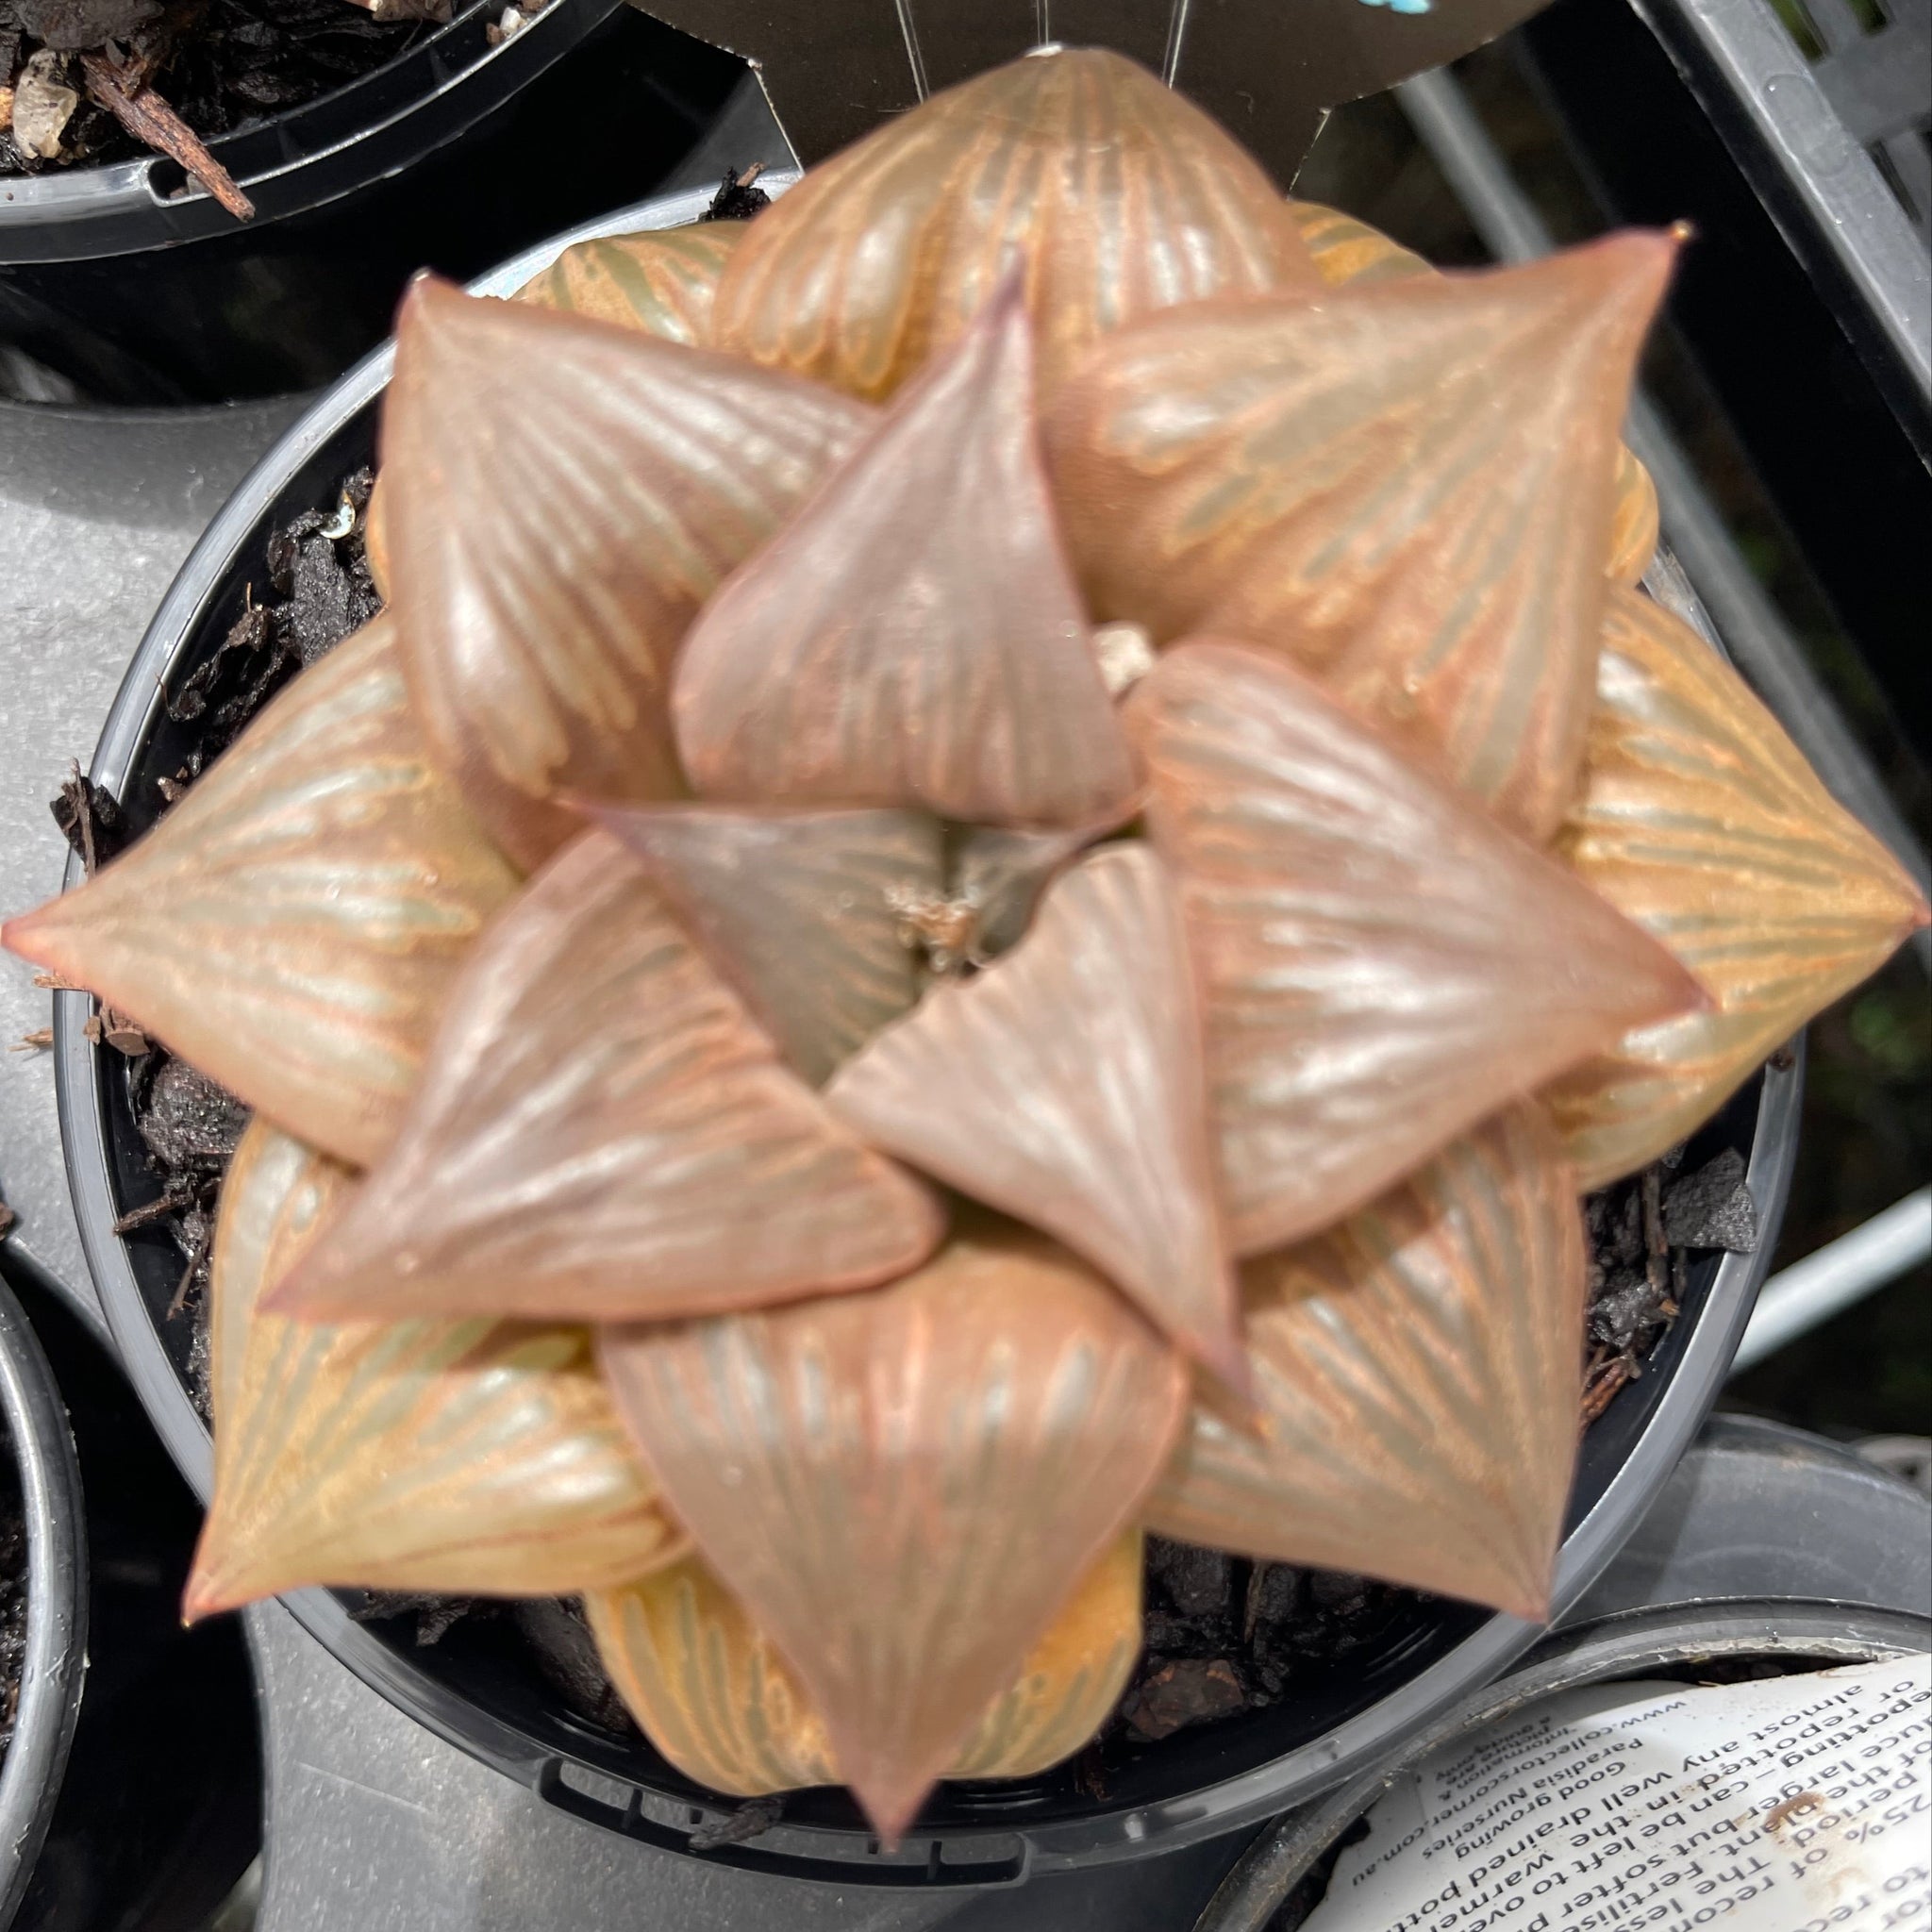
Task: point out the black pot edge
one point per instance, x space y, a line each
303 159
55 1659
1625 1645
1696 1380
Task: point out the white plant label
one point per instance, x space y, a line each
1794 1803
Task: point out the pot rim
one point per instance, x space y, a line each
54 1659
1691 1363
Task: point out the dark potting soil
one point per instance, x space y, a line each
13 1558
221 65
1224 1635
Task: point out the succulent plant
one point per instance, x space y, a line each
1011 841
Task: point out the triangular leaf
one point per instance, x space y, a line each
913 637
1115 195
603 1132
1064 1085
904 1488
1381 965
802 910
714 1694
552 532
1415 1377
1405 488
1347 251
660 281
432 1455
291 927
1701 820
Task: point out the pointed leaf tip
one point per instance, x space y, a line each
602 1132
913 637
1115 193
293 925
905 1487
438 1456
1405 488
1064 1085
559 498
1701 821
1416 1375
802 910
1381 965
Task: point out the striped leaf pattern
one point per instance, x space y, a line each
603 1133
1064 1085
1415 1384
550 539
1701 820
913 637
293 926
660 281
1115 195
431 1455
715 1696
1381 964
1348 251
904 1487
801 910
1406 489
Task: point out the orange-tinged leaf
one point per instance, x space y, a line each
559 496
715 1695
1064 1085
1381 964
1415 1375
1347 251
801 910
913 637
1115 195
1701 820
433 1455
660 281
904 1488
1404 488
602 1132
293 924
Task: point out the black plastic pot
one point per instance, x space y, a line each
137 284
477 1689
42 1452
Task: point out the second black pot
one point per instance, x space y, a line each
144 291
478 1689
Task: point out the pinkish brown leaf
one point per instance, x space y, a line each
1064 1085
602 1132
800 909
1701 820
293 924
1415 1375
714 1694
1405 488
1382 966
913 637
1115 195
436 1456
559 496
904 1488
